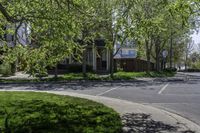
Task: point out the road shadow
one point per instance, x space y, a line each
143 123
89 85
79 85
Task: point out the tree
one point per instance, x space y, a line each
195 60
54 28
188 50
148 21
158 22
113 26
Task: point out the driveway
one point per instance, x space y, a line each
180 95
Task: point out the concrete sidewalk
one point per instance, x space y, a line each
123 107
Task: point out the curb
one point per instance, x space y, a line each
123 107
176 113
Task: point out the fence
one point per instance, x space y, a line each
130 65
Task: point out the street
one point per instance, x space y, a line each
180 95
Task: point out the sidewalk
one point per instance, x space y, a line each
159 121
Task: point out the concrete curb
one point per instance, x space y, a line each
123 107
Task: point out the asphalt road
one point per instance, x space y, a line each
180 95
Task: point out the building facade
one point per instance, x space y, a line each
97 57
20 37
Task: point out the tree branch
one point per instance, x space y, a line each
7 16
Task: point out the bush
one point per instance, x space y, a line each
5 69
76 68
170 69
47 113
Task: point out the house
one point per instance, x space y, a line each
126 58
128 50
9 38
97 58
21 35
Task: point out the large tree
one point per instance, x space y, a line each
53 28
155 23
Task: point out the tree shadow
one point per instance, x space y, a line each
142 123
89 85
79 85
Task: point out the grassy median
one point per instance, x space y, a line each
30 112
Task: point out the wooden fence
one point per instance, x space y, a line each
131 65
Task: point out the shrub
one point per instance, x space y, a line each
41 113
76 68
170 69
5 69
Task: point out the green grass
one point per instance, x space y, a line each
79 76
30 112
134 75
129 75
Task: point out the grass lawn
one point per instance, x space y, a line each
133 75
31 112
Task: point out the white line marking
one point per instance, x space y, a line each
162 89
107 91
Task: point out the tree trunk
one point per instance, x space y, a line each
185 66
148 56
148 61
111 64
84 60
112 58
186 60
84 63
171 50
157 57
13 68
56 71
